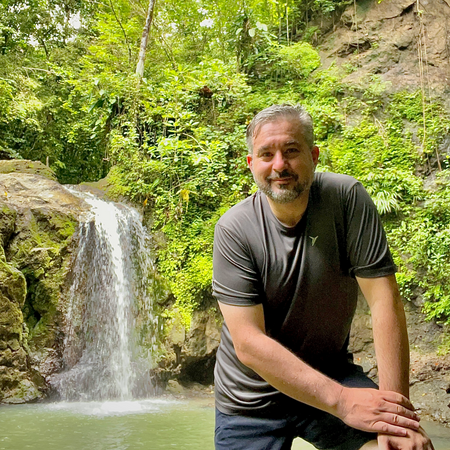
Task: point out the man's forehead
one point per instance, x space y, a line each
286 143
293 123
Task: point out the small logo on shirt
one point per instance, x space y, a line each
313 240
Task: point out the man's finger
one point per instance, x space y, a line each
399 410
398 399
401 421
387 428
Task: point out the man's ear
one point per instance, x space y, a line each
250 162
315 154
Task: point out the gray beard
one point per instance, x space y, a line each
285 195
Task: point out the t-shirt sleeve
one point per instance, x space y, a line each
235 279
367 247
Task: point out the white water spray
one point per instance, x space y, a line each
110 327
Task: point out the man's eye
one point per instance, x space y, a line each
291 150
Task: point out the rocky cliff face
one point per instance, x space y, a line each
430 370
405 42
38 218
405 45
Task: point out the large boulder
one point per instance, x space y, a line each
38 219
190 353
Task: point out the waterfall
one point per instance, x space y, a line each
110 328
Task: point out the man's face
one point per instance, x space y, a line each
282 163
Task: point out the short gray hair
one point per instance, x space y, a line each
277 112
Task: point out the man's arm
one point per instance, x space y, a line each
389 332
365 409
392 351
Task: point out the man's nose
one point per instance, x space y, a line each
279 162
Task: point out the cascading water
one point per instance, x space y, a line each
110 328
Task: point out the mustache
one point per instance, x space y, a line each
284 174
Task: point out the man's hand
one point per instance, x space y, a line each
376 411
415 440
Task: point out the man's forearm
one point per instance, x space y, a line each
392 349
389 333
289 374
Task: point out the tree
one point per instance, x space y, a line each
144 40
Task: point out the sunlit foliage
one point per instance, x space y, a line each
173 141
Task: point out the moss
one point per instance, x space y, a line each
24 391
41 252
26 166
12 297
11 318
12 283
7 221
44 332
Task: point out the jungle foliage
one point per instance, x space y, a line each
173 140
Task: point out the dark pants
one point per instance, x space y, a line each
324 431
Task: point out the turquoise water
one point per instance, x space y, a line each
154 424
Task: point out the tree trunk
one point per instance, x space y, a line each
144 40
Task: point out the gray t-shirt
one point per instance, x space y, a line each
303 276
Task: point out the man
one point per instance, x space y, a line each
287 263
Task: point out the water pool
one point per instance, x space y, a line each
155 424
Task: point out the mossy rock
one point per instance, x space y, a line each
7 221
38 218
26 166
12 284
24 391
41 251
103 188
11 319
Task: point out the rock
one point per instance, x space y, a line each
430 379
177 332
204 335
12 354
38 218
7 221
389 9
24 392
383 37
404 37
199 350
351 18
175 388
26 166
28 192
190 356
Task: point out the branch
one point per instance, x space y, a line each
123 30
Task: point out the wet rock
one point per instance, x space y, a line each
175 388
25 392
38 218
